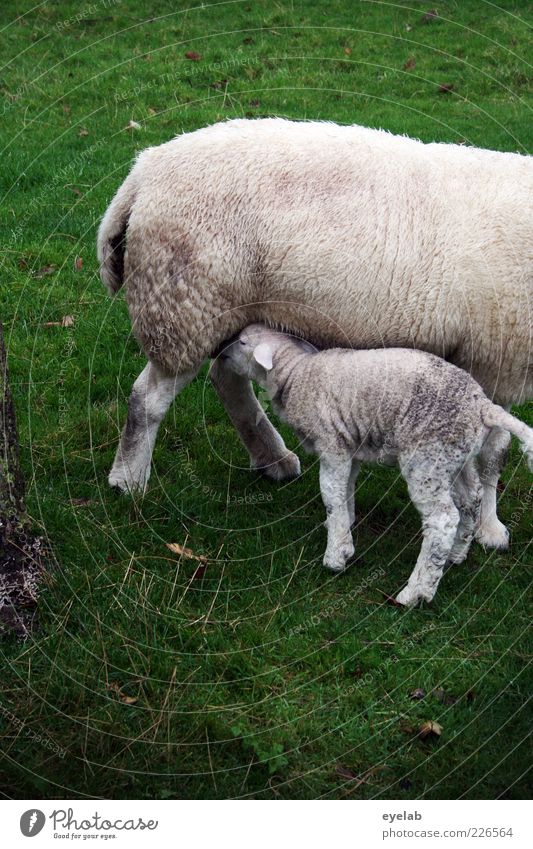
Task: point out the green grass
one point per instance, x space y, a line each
263 675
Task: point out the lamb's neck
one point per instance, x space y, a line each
287 362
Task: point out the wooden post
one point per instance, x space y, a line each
20 551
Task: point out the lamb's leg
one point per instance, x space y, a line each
335 473
268 452
356 465
467 493
440 518
151 396
492 458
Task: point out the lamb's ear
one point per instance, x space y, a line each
263 355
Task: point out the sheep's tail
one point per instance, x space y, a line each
111 241
494 416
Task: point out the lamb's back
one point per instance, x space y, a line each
386 399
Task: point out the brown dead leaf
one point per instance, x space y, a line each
430 16
430 730
348 51
83 132
66 109
127 700
78 263
46 269
193 55
248 40
446 88
176 548
75 191
152 111
255 103
410 64
417 694
66 321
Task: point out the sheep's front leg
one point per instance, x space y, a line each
335 474
267 450
352 480
440 519
151 396
492 458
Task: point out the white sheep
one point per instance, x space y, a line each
390 405
346 236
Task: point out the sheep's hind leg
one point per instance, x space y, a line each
335 474
492 458
267 450
151 396
431 495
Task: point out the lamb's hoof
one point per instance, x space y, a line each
129 482
337 561
287 468
412 596
494 535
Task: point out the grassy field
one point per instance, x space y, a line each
258 675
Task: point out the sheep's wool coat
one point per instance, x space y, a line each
347 236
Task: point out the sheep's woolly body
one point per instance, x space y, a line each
344 235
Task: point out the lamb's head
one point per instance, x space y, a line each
251 352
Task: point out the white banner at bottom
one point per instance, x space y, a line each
266 824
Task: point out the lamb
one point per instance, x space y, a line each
391 405
344 235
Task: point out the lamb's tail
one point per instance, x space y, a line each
111 241
494 416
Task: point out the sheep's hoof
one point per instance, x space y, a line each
336 567
286 468
127 482
411 597
494 535
337 561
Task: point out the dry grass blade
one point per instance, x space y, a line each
127 700
176 548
